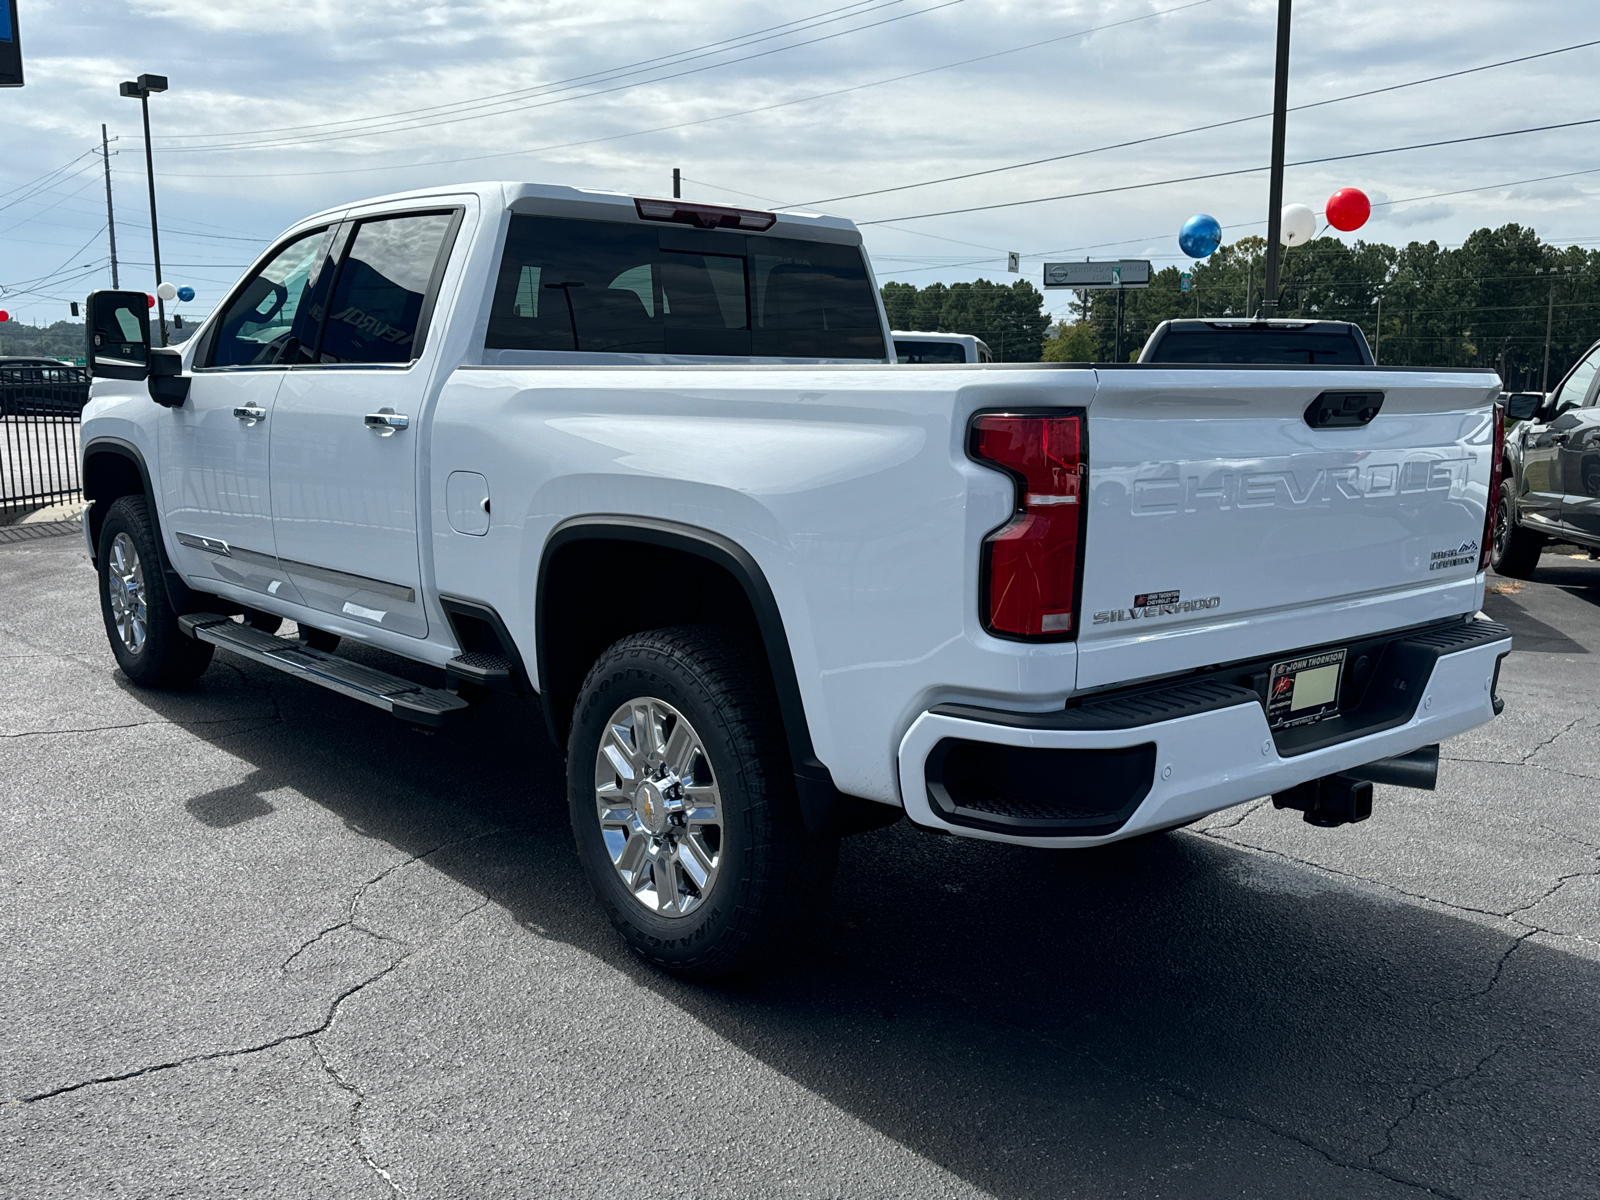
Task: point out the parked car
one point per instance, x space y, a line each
939 348
653 463
1309 343
1550 479
41 387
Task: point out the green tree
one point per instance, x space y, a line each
1070 343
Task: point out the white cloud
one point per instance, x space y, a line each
338 67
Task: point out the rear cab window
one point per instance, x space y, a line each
1287 347
608 287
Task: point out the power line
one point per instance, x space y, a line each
1305 162
448 120
702 120
614 72
1394 87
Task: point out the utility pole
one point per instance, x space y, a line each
1549 320
677 184
1280 112
1379 346
140 89
111 220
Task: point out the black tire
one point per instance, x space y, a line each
1515 553
141 625
766 876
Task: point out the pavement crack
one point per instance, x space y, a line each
358 1098
1365 879
358 1141
1561 882
1432 1089
238 1052
90 729
1547 741
1251 807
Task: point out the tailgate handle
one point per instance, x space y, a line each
1343 410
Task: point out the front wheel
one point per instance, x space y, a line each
683 804
140 622
1515 553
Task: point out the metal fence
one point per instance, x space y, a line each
40 407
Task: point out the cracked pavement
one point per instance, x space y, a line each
263 941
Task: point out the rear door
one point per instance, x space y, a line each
1224 524
346 425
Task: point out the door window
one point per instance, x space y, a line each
1573 388
270 310
376 306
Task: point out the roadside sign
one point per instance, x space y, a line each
1013 261
10 45
1185 280
1116 273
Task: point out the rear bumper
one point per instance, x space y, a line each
1132 763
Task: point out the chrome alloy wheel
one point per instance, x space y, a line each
659 808
125 588
1502 524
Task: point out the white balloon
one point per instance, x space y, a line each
169 291
1299 225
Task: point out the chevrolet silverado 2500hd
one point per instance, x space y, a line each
653 464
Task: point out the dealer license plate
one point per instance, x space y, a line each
1303 690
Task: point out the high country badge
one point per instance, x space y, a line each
1147 605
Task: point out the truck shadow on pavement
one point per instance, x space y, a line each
1172 1016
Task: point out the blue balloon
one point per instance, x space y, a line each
187 293
1200 235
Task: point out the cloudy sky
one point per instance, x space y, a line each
277 110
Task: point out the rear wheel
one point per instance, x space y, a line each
1515 552
683 804
140 622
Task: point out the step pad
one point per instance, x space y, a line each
480 666
405 699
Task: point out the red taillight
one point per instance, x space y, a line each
1492 509
1030 565
703 216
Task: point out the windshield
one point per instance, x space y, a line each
1281 346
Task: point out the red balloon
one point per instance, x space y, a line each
1348 209
4 315
151 300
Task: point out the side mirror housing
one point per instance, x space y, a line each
117 325
1524 406
169 386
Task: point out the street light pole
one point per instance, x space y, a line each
141 88
1280 112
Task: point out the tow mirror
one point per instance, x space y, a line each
118 328
169 386
1524 406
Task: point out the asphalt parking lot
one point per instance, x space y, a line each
263 941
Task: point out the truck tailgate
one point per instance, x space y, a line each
1222 525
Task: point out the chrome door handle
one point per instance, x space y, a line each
250 414
386 421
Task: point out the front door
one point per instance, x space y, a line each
214 448
1543 486
345 429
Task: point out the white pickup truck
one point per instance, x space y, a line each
653 464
